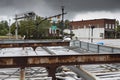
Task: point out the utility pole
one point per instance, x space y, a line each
62 7
9 29
92 27
16 29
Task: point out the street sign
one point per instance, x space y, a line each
53 27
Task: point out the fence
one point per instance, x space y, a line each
94 47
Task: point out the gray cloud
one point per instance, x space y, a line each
86 5
74 7
51 7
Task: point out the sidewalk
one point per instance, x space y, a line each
107 42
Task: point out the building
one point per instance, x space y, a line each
97 28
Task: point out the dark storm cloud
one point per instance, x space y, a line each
73 7
19 6
86 5
51 7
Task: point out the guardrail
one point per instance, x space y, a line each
94 47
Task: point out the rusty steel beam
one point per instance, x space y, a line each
33 44
58 60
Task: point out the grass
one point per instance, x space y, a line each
7 37
4 37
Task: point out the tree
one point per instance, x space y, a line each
27 28
42 26
4 28
117 30
32 28
65 26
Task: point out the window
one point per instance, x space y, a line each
101 34
110 26
113 26
106 26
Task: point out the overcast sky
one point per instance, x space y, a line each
76 9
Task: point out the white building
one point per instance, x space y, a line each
87 33
103 28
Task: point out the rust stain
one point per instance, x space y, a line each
7 45
6 61
35 44
44 60
59 60
11 45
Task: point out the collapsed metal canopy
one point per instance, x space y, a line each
51 62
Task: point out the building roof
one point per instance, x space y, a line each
95 20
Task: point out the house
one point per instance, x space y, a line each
96 28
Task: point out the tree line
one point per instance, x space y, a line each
32 29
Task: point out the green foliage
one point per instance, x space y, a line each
117 26
117 30
26 28
4 28
13 28
67 26
37 29
32 28
63 26
41 27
